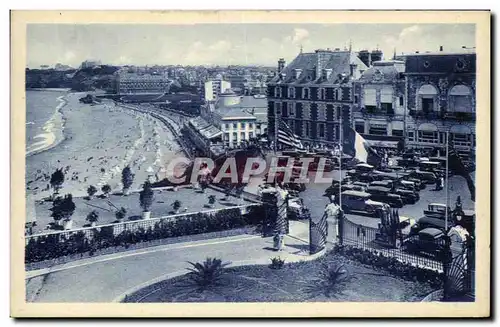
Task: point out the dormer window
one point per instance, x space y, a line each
297 73
326 73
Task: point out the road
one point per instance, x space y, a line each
106 278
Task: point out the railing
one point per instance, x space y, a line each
364 237
456 116
118 228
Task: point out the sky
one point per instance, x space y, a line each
228 44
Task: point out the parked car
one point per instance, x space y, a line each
384 183
408 185
383 194
428 241
409 197
418 182
361 185
360 201
425 176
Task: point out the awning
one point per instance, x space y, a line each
383 144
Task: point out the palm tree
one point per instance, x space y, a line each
93 217
106 189
207 274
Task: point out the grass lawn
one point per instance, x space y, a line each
295 282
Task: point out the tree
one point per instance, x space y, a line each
146 197
106 189
127 179
93 217
91 190
177 206
62 208
211 200
120 214
207 274
57 180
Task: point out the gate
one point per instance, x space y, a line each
318 232
459 272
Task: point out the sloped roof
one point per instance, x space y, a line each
237 112
205 128
338 61
381 74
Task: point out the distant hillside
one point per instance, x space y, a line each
86 79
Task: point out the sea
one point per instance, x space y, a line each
44 120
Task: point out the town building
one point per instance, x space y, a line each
141 83
314 94
90 64
379 97
440 89
240 118
215 87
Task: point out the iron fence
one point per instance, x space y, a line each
410 250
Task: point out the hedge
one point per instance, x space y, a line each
391 265
46 247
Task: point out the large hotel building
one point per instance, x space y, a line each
313 93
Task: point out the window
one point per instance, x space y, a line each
322 94
360 127
460 99
427 95
226 137
227 126
235 125
387 108
242 136
305 93
356 99
292 109
250 135
401 101
428 137
442 137
308 128
250 125
235 137
291 92
411 136
397 132
370 97
321 130
378 130
276 91
371 109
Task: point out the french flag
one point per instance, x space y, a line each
355 145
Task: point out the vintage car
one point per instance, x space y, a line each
408 185
360 201
361 185
435 217
418 182
409 197
383 194
384 183
424 176
429 241
297 209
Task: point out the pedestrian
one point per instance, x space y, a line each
442 182
438 181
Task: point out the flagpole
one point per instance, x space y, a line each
340 161
446 191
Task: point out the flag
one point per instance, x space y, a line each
287 137
355 145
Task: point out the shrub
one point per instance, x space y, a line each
91 190
120 214
177 205
93 217
207 274
277 263
146 197
106 189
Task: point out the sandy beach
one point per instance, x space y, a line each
99 141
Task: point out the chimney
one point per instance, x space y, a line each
441 48
281 65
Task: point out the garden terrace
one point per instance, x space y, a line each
192 201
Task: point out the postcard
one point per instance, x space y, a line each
250 164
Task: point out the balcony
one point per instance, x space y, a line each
380 113
443 115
